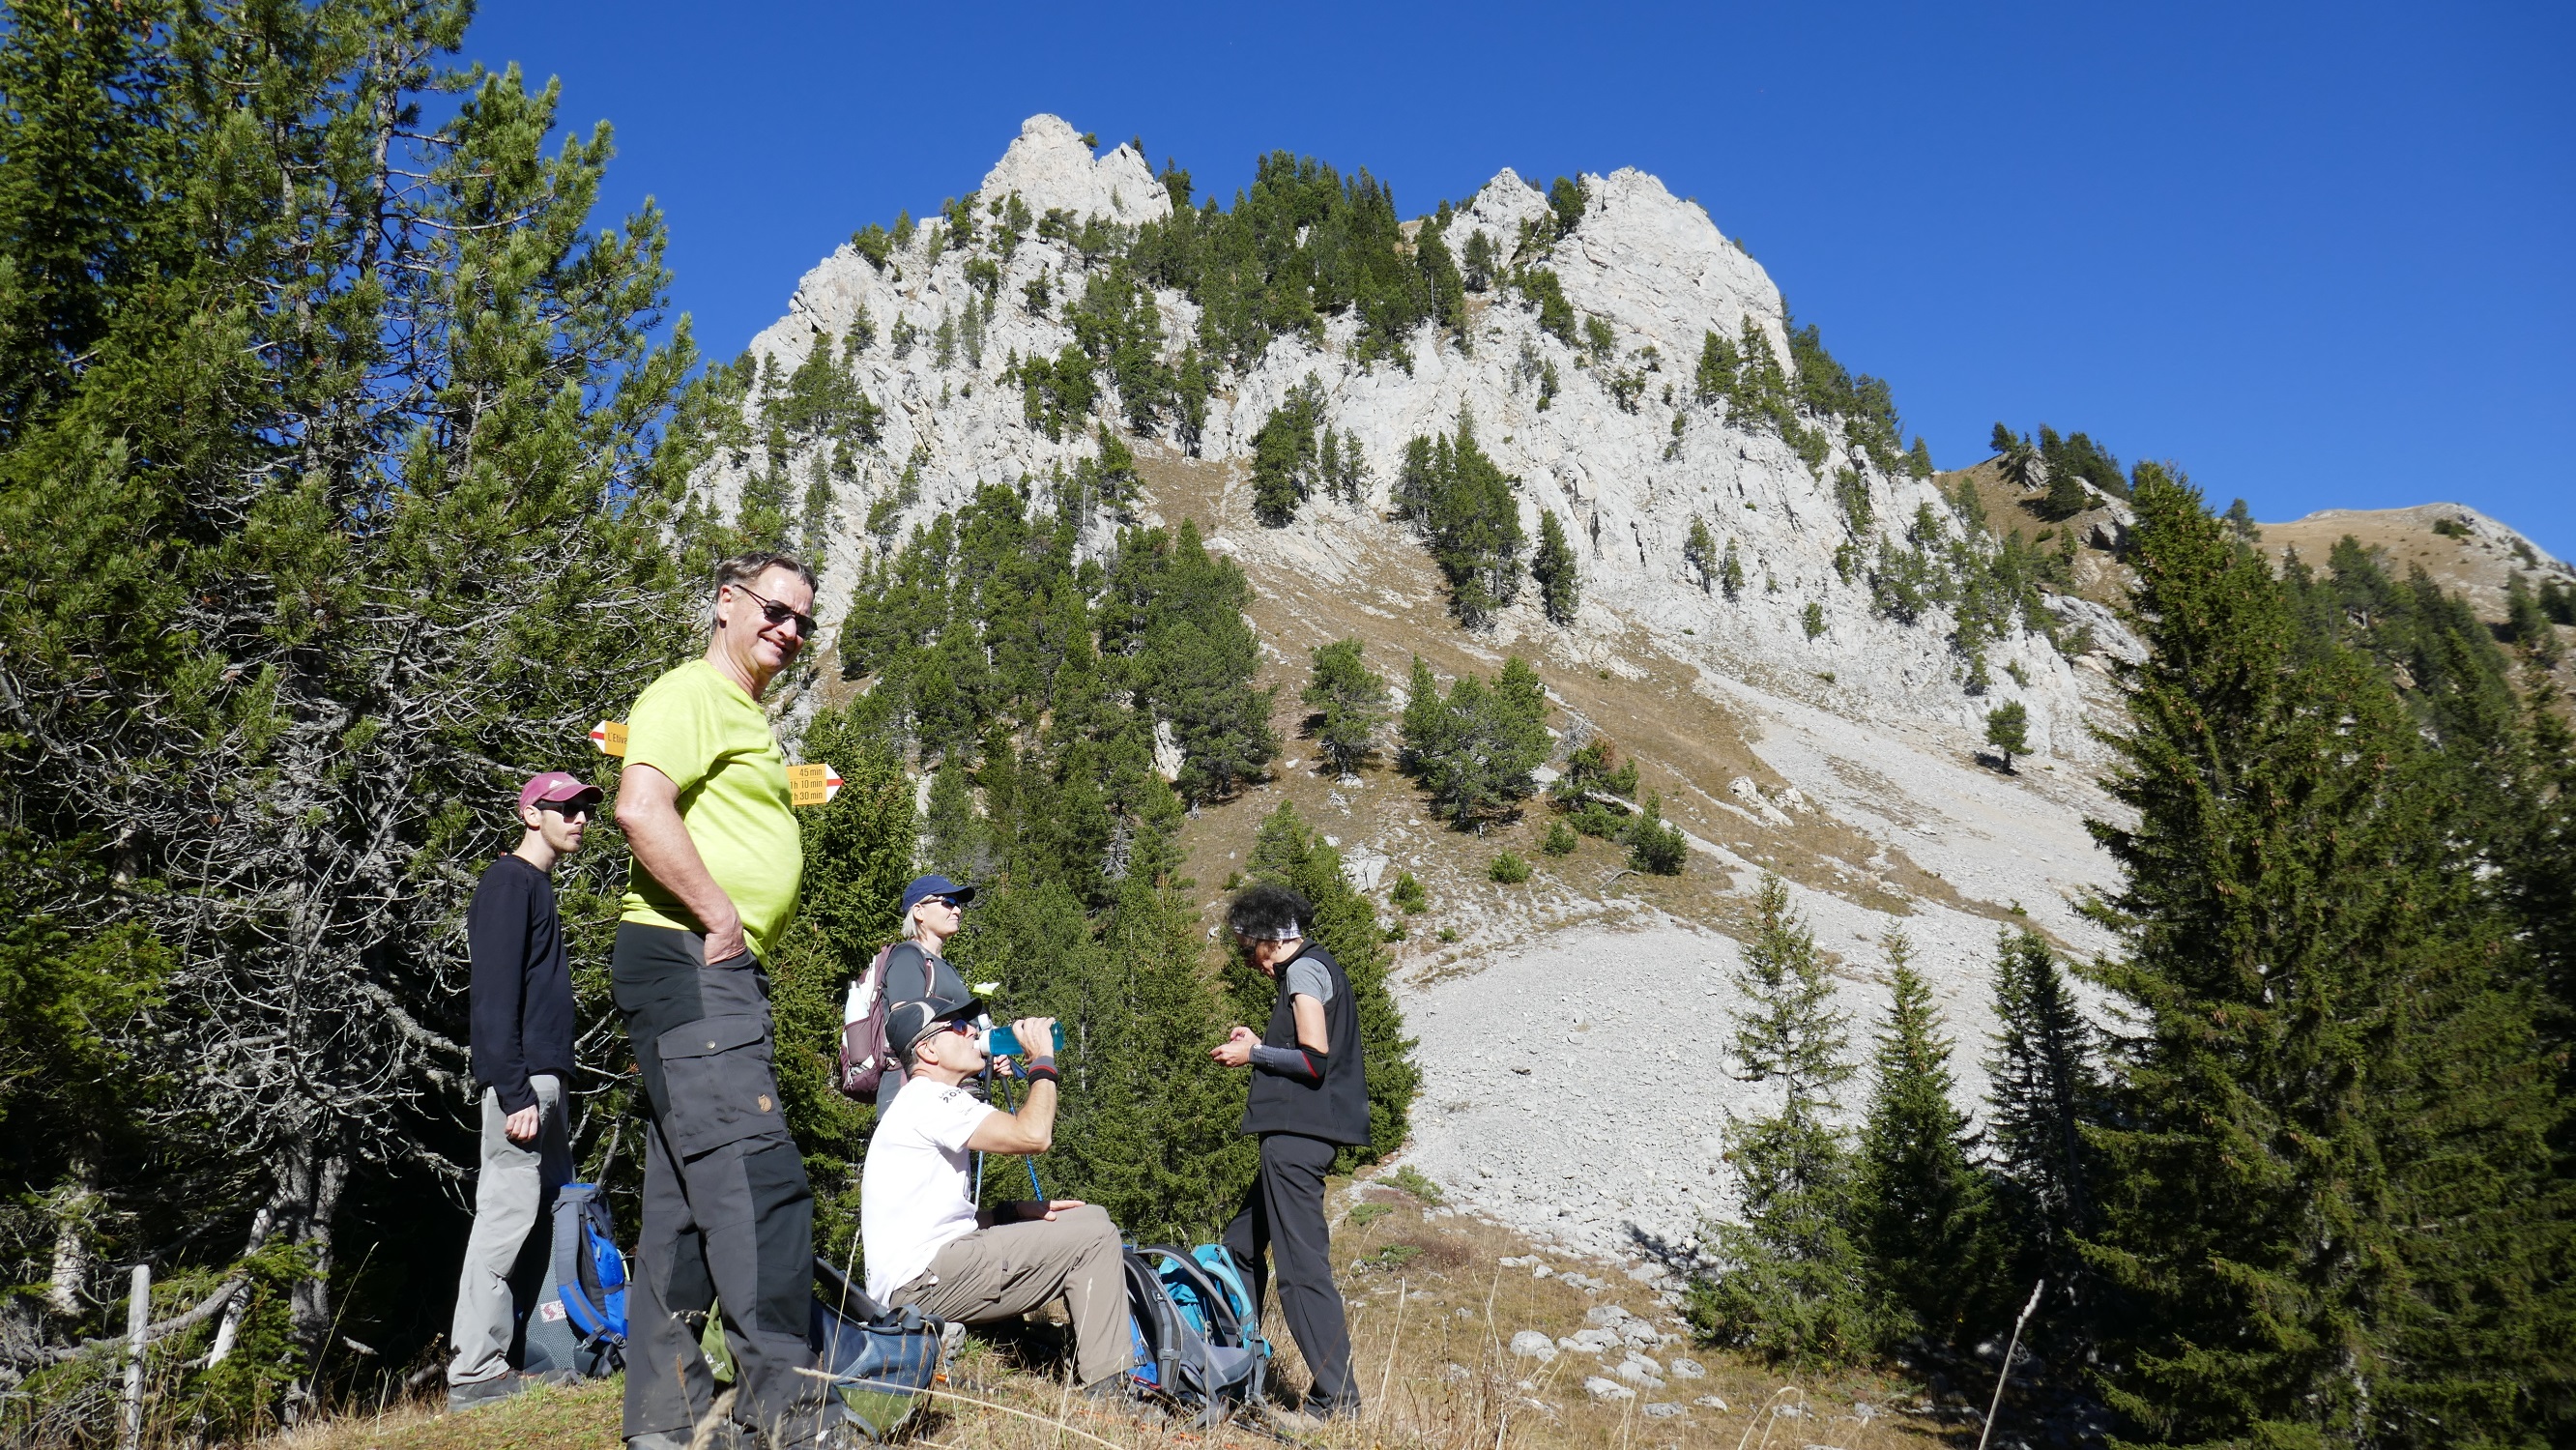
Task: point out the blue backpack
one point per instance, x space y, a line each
1196 1342
579 1320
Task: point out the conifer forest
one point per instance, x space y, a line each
354 463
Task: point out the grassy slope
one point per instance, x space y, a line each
1432 1312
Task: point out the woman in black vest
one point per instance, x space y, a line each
1309 1097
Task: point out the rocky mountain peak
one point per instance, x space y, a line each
1053 170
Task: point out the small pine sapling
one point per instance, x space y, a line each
2008 730
1654 847
1509 869
1699 551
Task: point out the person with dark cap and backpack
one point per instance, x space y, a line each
1309 1099
933 908
521 1009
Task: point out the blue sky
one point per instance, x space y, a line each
2319 255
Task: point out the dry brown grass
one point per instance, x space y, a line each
1430 1331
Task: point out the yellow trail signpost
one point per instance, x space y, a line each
807 785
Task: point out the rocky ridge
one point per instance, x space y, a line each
1656 267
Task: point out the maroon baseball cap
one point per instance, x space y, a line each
554 785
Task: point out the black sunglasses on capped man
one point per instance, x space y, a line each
577 806
777 614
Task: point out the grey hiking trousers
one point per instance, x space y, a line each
513 1194
1283 1212
728 1217
1011 1268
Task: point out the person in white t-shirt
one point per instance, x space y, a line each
927 1247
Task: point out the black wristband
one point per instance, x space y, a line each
1042 1070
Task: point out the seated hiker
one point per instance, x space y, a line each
927 1247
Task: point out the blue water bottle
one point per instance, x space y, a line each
1003 1042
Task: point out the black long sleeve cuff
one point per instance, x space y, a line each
1297 1064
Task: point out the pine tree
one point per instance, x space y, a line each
2042 1087
1653 846
1560 582
2008 730
327 475
1923 1219
1172 631
1595 766
2526 623
1477 262
1463 506
1161 1153
1714 382
1730 572
1285 454
1349 700
858 855
1475 750
2066 497
1789 1284
1699 552
1424 732
2326 1201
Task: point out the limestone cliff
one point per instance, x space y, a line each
1619 453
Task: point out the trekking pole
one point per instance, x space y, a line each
2006 1372
1031 1162
979 1153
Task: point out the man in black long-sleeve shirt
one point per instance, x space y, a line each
523 1030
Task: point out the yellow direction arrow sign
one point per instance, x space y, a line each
807 785
812 785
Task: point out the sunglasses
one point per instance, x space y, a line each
569 810
951 902
775 614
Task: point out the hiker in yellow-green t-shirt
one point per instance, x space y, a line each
728 1216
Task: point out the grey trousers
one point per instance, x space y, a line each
1284 1213
512 1196
728 1217
1012 1268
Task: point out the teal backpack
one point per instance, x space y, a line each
1197 1345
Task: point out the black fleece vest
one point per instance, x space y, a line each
1336 1109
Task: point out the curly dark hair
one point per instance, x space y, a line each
1268 913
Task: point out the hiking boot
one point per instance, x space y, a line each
1313 1416
492 1391
1111 1389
